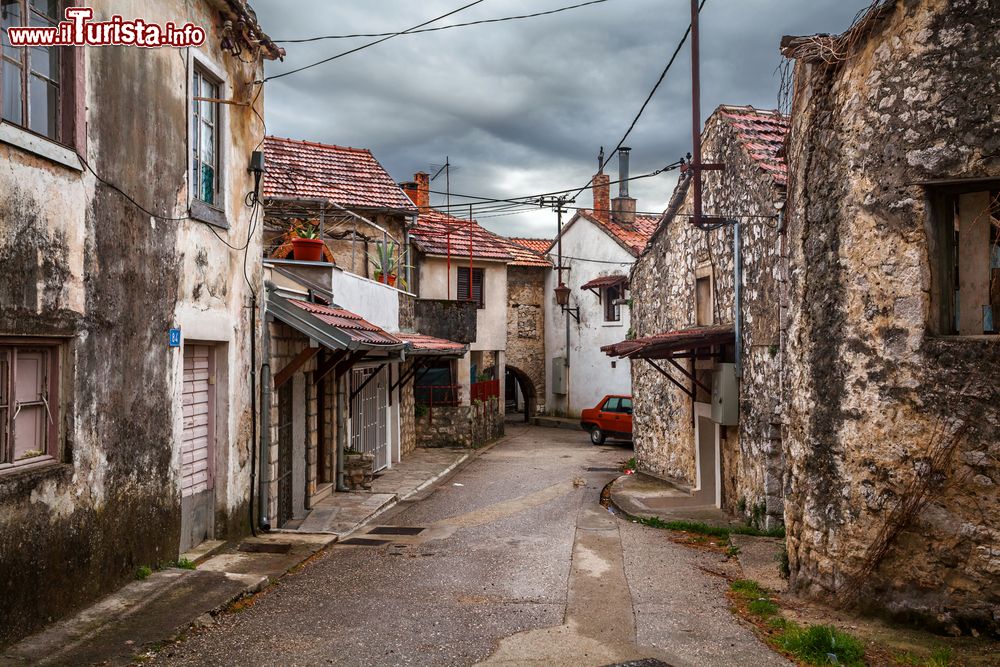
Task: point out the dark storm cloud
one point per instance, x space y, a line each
522 107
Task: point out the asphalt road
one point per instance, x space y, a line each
517 564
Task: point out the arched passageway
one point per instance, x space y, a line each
522 396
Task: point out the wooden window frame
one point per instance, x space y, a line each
941 203
612 310
52 401
200 74
470 291
70 98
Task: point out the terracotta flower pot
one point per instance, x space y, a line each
389 280
307 250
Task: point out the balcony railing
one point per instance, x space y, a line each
482 391
435 395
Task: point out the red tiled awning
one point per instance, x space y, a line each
421 345
605 281
669 343
354 326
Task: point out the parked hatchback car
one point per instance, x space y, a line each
612 418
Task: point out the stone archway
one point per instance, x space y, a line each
527 387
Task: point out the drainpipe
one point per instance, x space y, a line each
253 409
341 433
738 297
265 413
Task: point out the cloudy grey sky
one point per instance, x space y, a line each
522 107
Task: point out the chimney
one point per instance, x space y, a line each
602 192
418 190
623 206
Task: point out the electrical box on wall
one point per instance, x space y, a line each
725 395
559 376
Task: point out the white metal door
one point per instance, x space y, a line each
196 447
369 432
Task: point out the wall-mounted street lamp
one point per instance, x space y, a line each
562 298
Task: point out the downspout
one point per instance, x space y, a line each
738 297
265 414
253 410
341 432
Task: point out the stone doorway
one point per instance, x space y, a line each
522 397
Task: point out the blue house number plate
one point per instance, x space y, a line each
175 338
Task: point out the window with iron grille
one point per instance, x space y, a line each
205 131
29 402
477 286
31 94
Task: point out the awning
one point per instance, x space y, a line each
420 345
671 343
606 281
334 328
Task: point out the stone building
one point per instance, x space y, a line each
126 430
694 333
526 277
598 247
893 406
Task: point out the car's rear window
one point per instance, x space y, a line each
626 405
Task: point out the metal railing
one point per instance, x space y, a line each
487 389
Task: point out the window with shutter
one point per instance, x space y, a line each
477 286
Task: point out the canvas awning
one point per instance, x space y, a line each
693 341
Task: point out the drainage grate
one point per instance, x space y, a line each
265 547
364 542
603 469
648 662
396 530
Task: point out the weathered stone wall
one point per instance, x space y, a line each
663 295
407 420
80 262
870 388
526 328
445 426
487 422
446 318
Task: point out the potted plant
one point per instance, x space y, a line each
385 263
307 246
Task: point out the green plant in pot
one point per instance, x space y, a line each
385 263
307 246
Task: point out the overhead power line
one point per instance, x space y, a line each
649 97
370 44
444 27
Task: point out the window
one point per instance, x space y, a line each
703 300
611 405
29 402
612 309
625 406
31 94
965 245
205 131
477 286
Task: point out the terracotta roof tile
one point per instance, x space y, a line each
634 237
429 344
605 281
348 176
762 134
441 234
541 246
353 325
525 255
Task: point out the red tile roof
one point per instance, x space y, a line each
438 233
605 281
525 255
541 246
353 325
348 176
429 344
664 344
762 134
632 237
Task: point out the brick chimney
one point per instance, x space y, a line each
623 206
602 194
418 190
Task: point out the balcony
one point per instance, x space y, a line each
448 319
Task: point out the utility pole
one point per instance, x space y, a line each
697 219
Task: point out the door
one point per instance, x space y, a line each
707 443
625 412
197 447
369 431
285 446
611 416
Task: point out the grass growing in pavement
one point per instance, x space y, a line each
143 572
185 564
813 644
722 532
939 658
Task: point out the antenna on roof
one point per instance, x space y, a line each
600 161
446 168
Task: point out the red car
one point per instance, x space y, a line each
612 418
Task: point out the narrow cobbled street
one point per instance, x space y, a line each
517 564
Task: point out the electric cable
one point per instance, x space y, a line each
369 44
444 27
